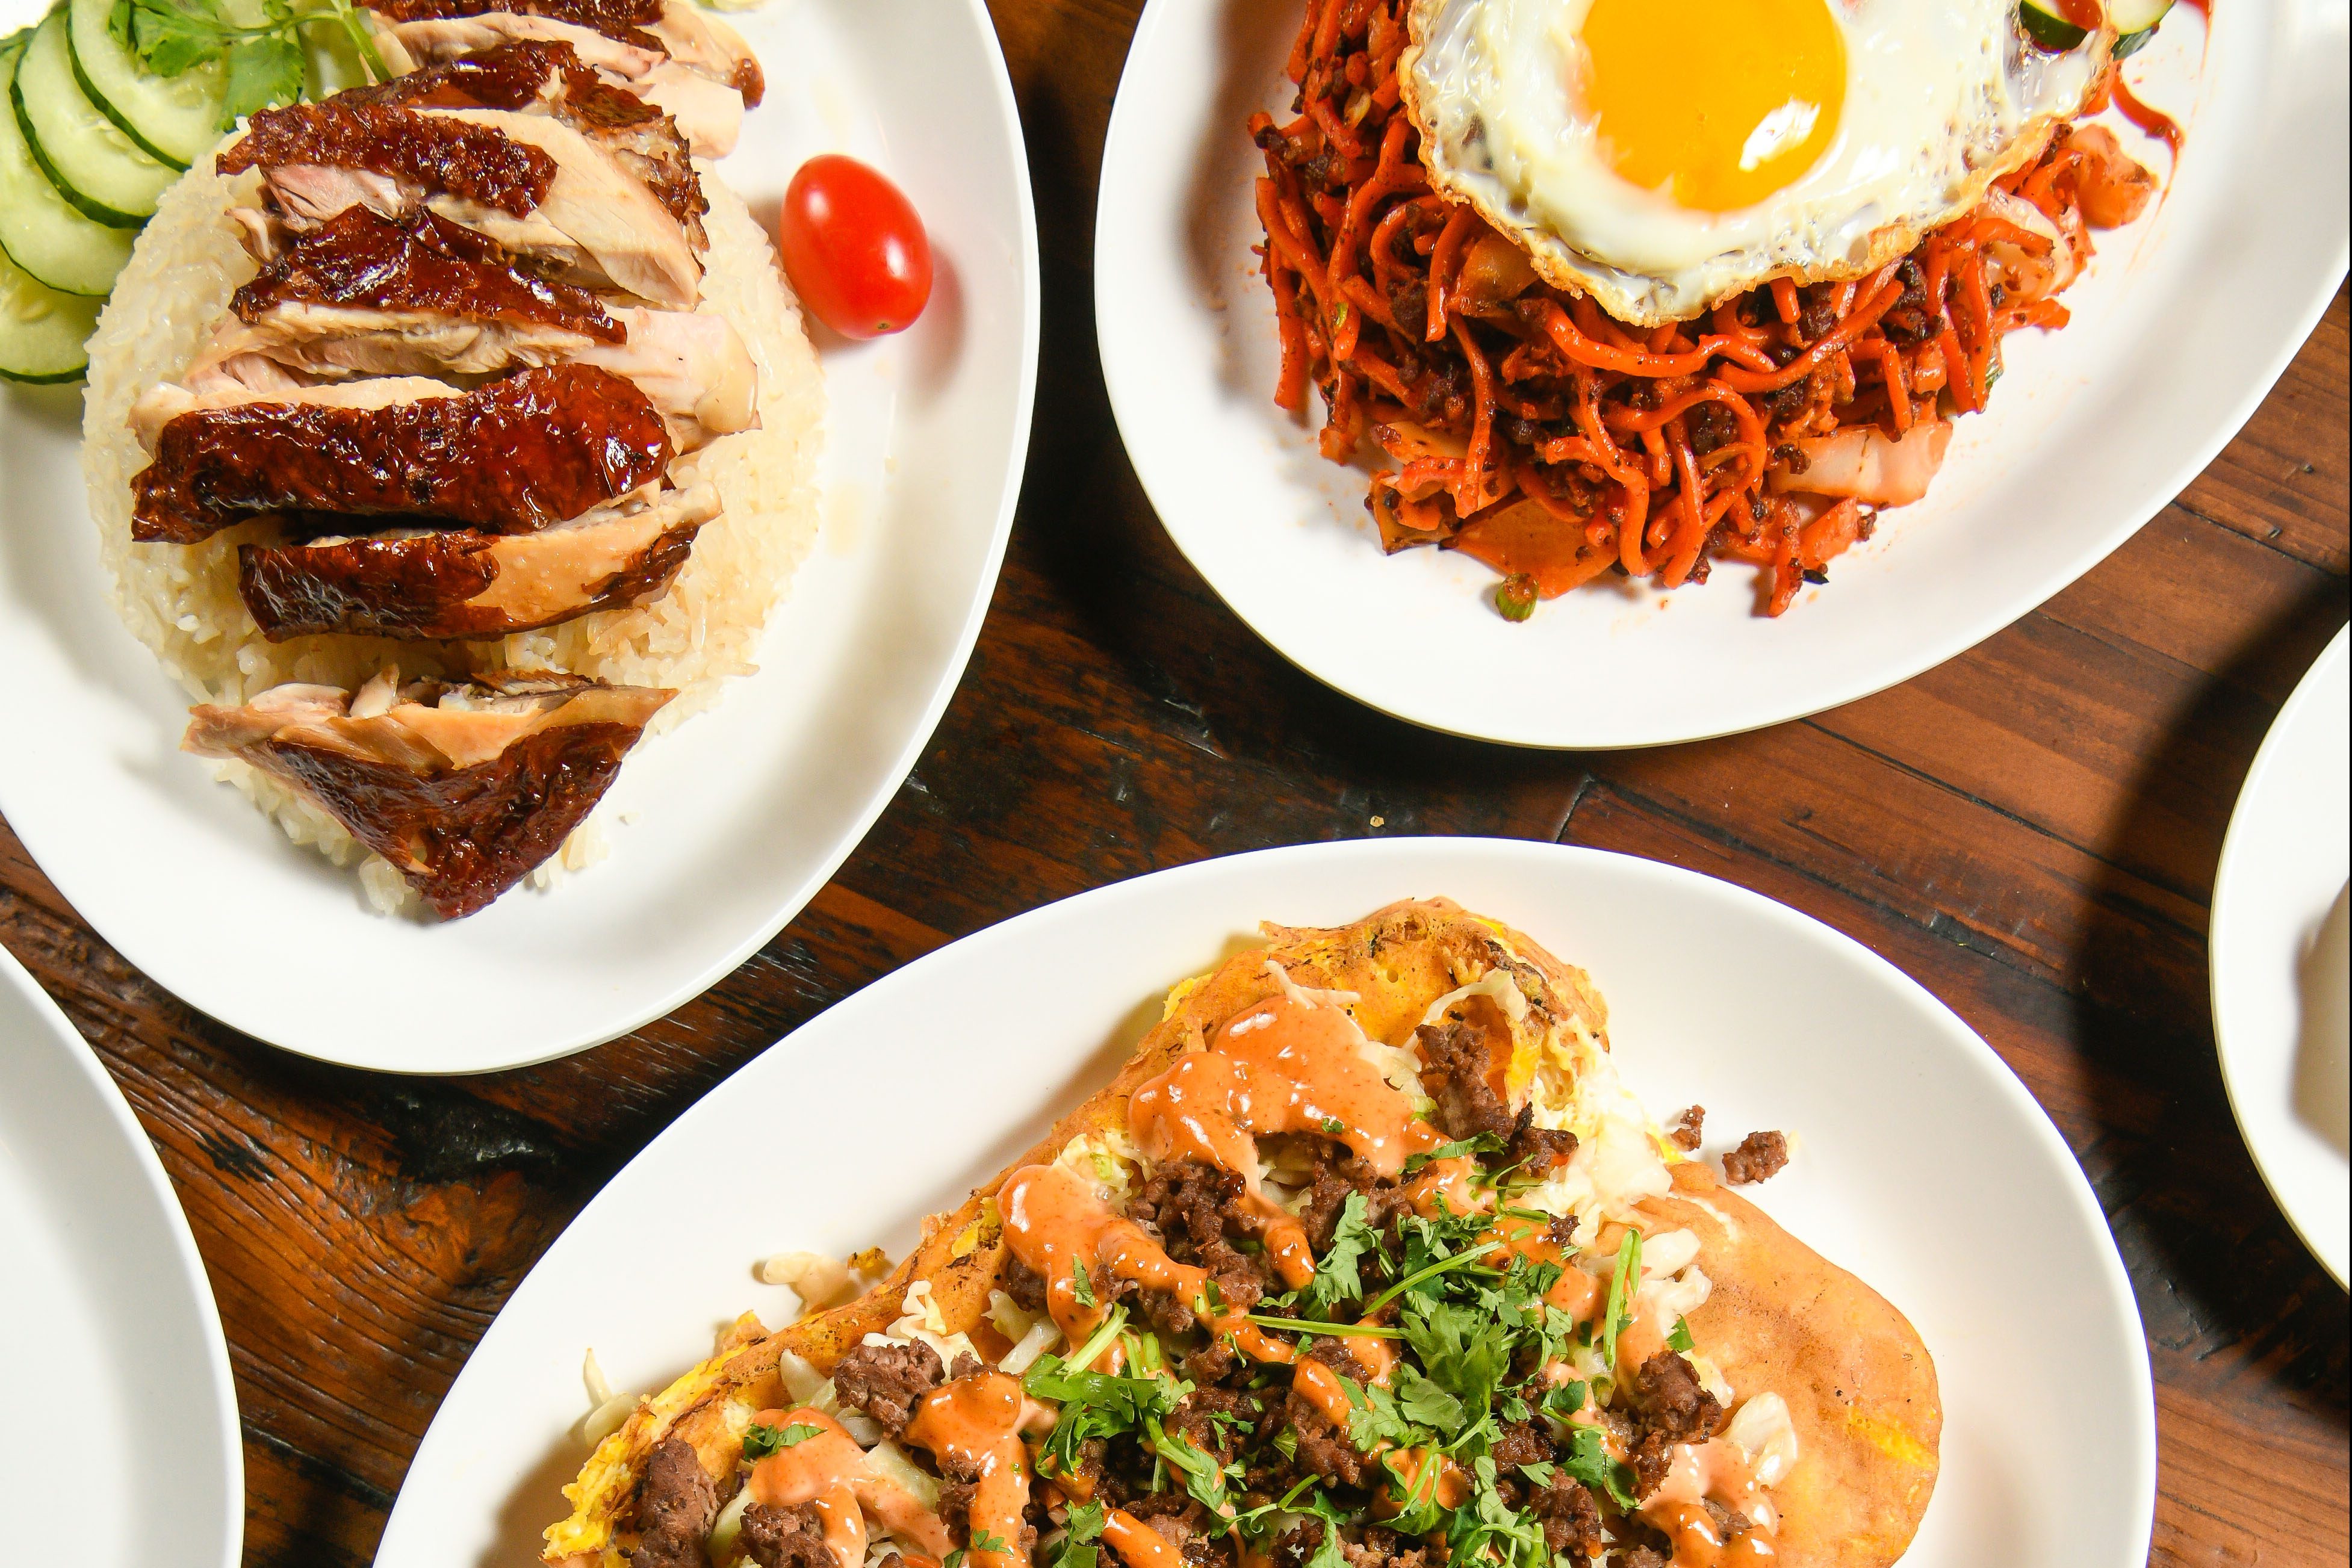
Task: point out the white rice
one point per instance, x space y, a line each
182 603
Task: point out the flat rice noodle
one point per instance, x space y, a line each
1860 1385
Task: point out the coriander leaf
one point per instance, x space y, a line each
1203 1477
1087 1520
1587 1461
954 1559
1482 1144
1680 1339
1080 1286
1564 1401
1333 1125
984 1542
1337 1277
1540 1473
262 72
1465 1354
1424 1402
760 1439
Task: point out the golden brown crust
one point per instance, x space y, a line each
1858 1380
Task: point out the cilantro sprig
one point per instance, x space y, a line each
761 1438
263 58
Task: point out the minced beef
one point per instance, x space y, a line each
1569 1514
885 1380
1536 1150
1455 1061
1384 1547
1520 1443
1687 1133
1759 1157
675 1503
1023 1284
1338 1173
1216 1421
1670 1407
1324 1445
1196 1210
785 1537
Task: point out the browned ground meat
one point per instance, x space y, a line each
1571 1515
1758 1155
1521 1442
1299 1542
785 1537
1023 1284
885 1380
1686 1131
1456 1060
1196 1534
1337 1173
675 1503
1535 1150
1639 1557
1196 1211
1324 1446
1216 1420
1670 1407
1383 1548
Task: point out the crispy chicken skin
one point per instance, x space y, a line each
520 453
463 788
464 584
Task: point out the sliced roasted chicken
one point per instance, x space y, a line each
709 113
685 34
463 789
551 79
424 583
514 456
365 294
528 181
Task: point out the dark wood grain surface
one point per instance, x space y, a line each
2030 829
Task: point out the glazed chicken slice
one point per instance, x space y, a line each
364 295
424 583
514 456
679 31
708 115
463 789
551 79
530 182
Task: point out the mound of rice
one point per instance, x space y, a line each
182 603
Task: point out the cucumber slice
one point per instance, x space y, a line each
2047 28
173 120
39 229
41 330
2133 17
2135 23
86 156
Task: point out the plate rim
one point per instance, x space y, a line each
1407 852
793 898
1834 693
2227 873
68 1040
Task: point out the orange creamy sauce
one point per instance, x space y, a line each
832 1474
1138 1544
973 1427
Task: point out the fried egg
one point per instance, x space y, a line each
1663 155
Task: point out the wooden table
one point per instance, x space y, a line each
2030 829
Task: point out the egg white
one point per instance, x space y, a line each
1941 99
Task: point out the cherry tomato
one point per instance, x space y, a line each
854 248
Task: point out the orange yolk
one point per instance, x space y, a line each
1718 103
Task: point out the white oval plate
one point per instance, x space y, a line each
2180 326
122 1446
721 829
1921 1157
2282 966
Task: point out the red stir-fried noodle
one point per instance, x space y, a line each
1555 445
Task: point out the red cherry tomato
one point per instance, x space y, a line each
854 248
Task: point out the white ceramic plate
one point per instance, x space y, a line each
721 829
1921 1158
2180 326
2282 962
122 1446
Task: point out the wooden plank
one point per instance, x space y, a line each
2285 480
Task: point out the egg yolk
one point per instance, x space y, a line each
1718 103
